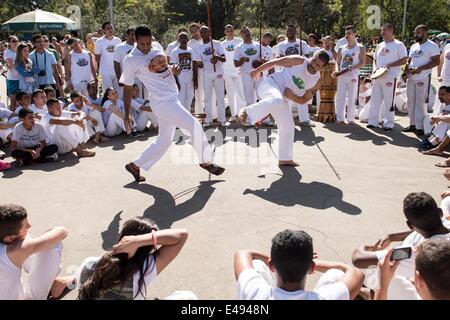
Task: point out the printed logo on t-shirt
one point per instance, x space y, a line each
230 47
389 84
385 52
347 61
207 51
292 50
110 48
416 53
185 60
82 62
250 51
298 82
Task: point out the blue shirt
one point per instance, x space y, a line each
44 62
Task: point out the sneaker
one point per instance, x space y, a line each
207 124
425 144
409 129
136 134
19 163
387 129
223 124
2 155
243 117
4 165
371 126
232 119
308 124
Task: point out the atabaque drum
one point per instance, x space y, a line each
328 87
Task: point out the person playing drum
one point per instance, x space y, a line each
390 54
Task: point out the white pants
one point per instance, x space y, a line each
235 93
110 81
445 206
115 126
81 87
272 102
42 268
303 112
4 134
69 137
249 87
100 127
214 81
143 118
346 87
171 114
439 131
186 94
437 104
199 94
383 91
416 91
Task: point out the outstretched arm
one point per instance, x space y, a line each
288 61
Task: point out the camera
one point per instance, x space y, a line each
401 253
42 73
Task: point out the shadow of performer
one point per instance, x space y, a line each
289 191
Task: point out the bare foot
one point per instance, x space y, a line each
82 153
433 152
288 163
443 164
60 284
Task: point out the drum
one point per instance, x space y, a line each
327 92
378 73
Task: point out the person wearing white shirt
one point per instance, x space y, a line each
423 57
12 77
424 219
6 128
38 106
340 43
185 58
93 116
245 54
443 70
120 52
328 46
283 274
79 67
66 129
104 54
294 46
142 112
211 61
171 46
351 56
391 54
151 68
233 80
194 43
312 48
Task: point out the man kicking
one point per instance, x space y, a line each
298 82
150 66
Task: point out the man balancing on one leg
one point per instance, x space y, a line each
149 65
297 81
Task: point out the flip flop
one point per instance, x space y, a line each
137 177
213 168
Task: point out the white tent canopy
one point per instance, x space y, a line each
37 21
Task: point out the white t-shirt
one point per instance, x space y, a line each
105 48
267 55
185 59
46 117
229 47
287 48
72 107
80 67
4 112
12 73
171 47
350 57
37 110
10 277
204 54
253 286
247 50
296 78
420 55
149 277
311 51
28 138
157 45
445 73
107 106
161 86
388 52
121 51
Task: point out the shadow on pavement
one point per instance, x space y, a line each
289 191
111 235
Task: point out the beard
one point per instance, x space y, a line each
419 39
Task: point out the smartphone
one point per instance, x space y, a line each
401 253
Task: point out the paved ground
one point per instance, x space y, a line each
348 190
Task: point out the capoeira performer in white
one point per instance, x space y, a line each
297 81
150 66
391 54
